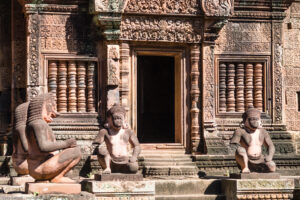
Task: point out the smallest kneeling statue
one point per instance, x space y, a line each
248 142
113 140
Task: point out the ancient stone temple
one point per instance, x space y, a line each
185 71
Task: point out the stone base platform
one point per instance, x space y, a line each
47 188
123 190
21 180
118 177
235 189
254 175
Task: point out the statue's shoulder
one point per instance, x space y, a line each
264 131
129 132
103 131
37 123
239 131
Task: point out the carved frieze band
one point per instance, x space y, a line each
217 8
208 83
278 57
166 29
163 6
33 53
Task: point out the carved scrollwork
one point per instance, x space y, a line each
163 6
161 29
217 7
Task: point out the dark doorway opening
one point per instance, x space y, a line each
155 99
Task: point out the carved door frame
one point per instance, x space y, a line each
181 92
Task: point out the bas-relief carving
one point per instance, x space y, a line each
167 29
113 71
217 7
34 27
163 6
244 37
64 33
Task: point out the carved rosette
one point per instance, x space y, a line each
217 8
195 94
113 65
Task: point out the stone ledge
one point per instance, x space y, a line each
47 188
118 177
254 175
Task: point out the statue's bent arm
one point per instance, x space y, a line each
23 139
135 143
270 145
45 145
235 140
100 137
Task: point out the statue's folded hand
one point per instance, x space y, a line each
71 142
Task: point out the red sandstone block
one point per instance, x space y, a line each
46 188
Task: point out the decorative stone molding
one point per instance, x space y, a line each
218 8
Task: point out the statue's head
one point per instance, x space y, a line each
116 116
20 116
42 107
252 119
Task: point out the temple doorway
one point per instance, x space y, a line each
156 99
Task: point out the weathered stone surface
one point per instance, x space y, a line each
81 196
118 177
48 188
4 180
21 180
117 188
258 188
255 176
11 189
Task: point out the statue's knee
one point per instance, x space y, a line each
77 152
271 165
241 151
133 167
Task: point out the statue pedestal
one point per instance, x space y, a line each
258 188
21 180
48 188
255 175
105 190
118 177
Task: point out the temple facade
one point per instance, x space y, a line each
185 70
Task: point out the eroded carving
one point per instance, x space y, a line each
161 29
113 64
217 7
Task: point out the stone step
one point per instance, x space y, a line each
167 163
149 171
188 187
190 197
4 180
11 189
166 159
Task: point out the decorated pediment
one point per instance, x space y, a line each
163 6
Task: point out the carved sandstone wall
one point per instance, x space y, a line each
291 55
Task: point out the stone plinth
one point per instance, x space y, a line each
48 188
4 180
118 177
256 176
121 189
21 180
235 189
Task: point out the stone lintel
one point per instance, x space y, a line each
255 176
118 177
21 180
117 188
47 188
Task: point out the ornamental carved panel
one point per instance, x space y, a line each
168 29
163 6
244 37
64 33
217 7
